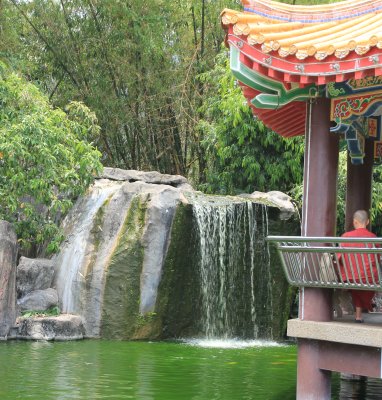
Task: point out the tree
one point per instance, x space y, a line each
134 63
46 160
243 155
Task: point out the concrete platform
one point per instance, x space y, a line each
340 330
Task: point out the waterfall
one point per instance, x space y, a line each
234 267
148 260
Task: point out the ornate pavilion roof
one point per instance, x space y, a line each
284 54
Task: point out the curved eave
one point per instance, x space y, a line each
287 121
334 47
310 71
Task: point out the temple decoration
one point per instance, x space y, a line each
284 56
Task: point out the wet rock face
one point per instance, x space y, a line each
8 254
180 303
110 267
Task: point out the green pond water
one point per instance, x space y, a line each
149 371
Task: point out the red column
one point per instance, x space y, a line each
359 182
319 219
313 383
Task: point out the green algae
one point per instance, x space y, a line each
120 313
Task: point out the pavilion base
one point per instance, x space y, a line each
337 346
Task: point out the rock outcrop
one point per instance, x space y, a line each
128 266
276 199
8 255
33 285
112 260
154 177
33 274
38 300
62 327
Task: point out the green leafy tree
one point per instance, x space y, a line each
376 209
134 63
242 154
46 160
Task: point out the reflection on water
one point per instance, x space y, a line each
91 370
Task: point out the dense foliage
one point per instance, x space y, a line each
142 67
45 158
134 63
242 154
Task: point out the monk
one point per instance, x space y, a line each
362 299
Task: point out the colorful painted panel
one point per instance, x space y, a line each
368 85
356 131
343 108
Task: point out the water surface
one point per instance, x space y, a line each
196 370
145 371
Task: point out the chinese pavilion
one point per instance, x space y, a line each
317 71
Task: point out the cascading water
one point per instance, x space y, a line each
234 267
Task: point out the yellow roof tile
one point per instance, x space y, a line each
337 7
335 35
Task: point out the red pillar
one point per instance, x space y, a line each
358 187
319 219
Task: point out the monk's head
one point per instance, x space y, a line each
360 219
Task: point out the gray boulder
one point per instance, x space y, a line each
113 257
38 300
154 177
8 254
33 274
62 327
276 199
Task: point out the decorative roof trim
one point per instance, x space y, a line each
273 94
341 40
314 13
287 121
319 72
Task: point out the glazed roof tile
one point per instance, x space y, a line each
312 13
309 31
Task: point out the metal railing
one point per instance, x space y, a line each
331 262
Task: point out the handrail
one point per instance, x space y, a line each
323 262
337 249
322 239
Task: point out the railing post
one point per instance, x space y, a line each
319 219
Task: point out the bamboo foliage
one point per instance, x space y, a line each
135 63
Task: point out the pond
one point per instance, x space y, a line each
151 371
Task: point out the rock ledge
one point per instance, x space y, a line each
62 327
